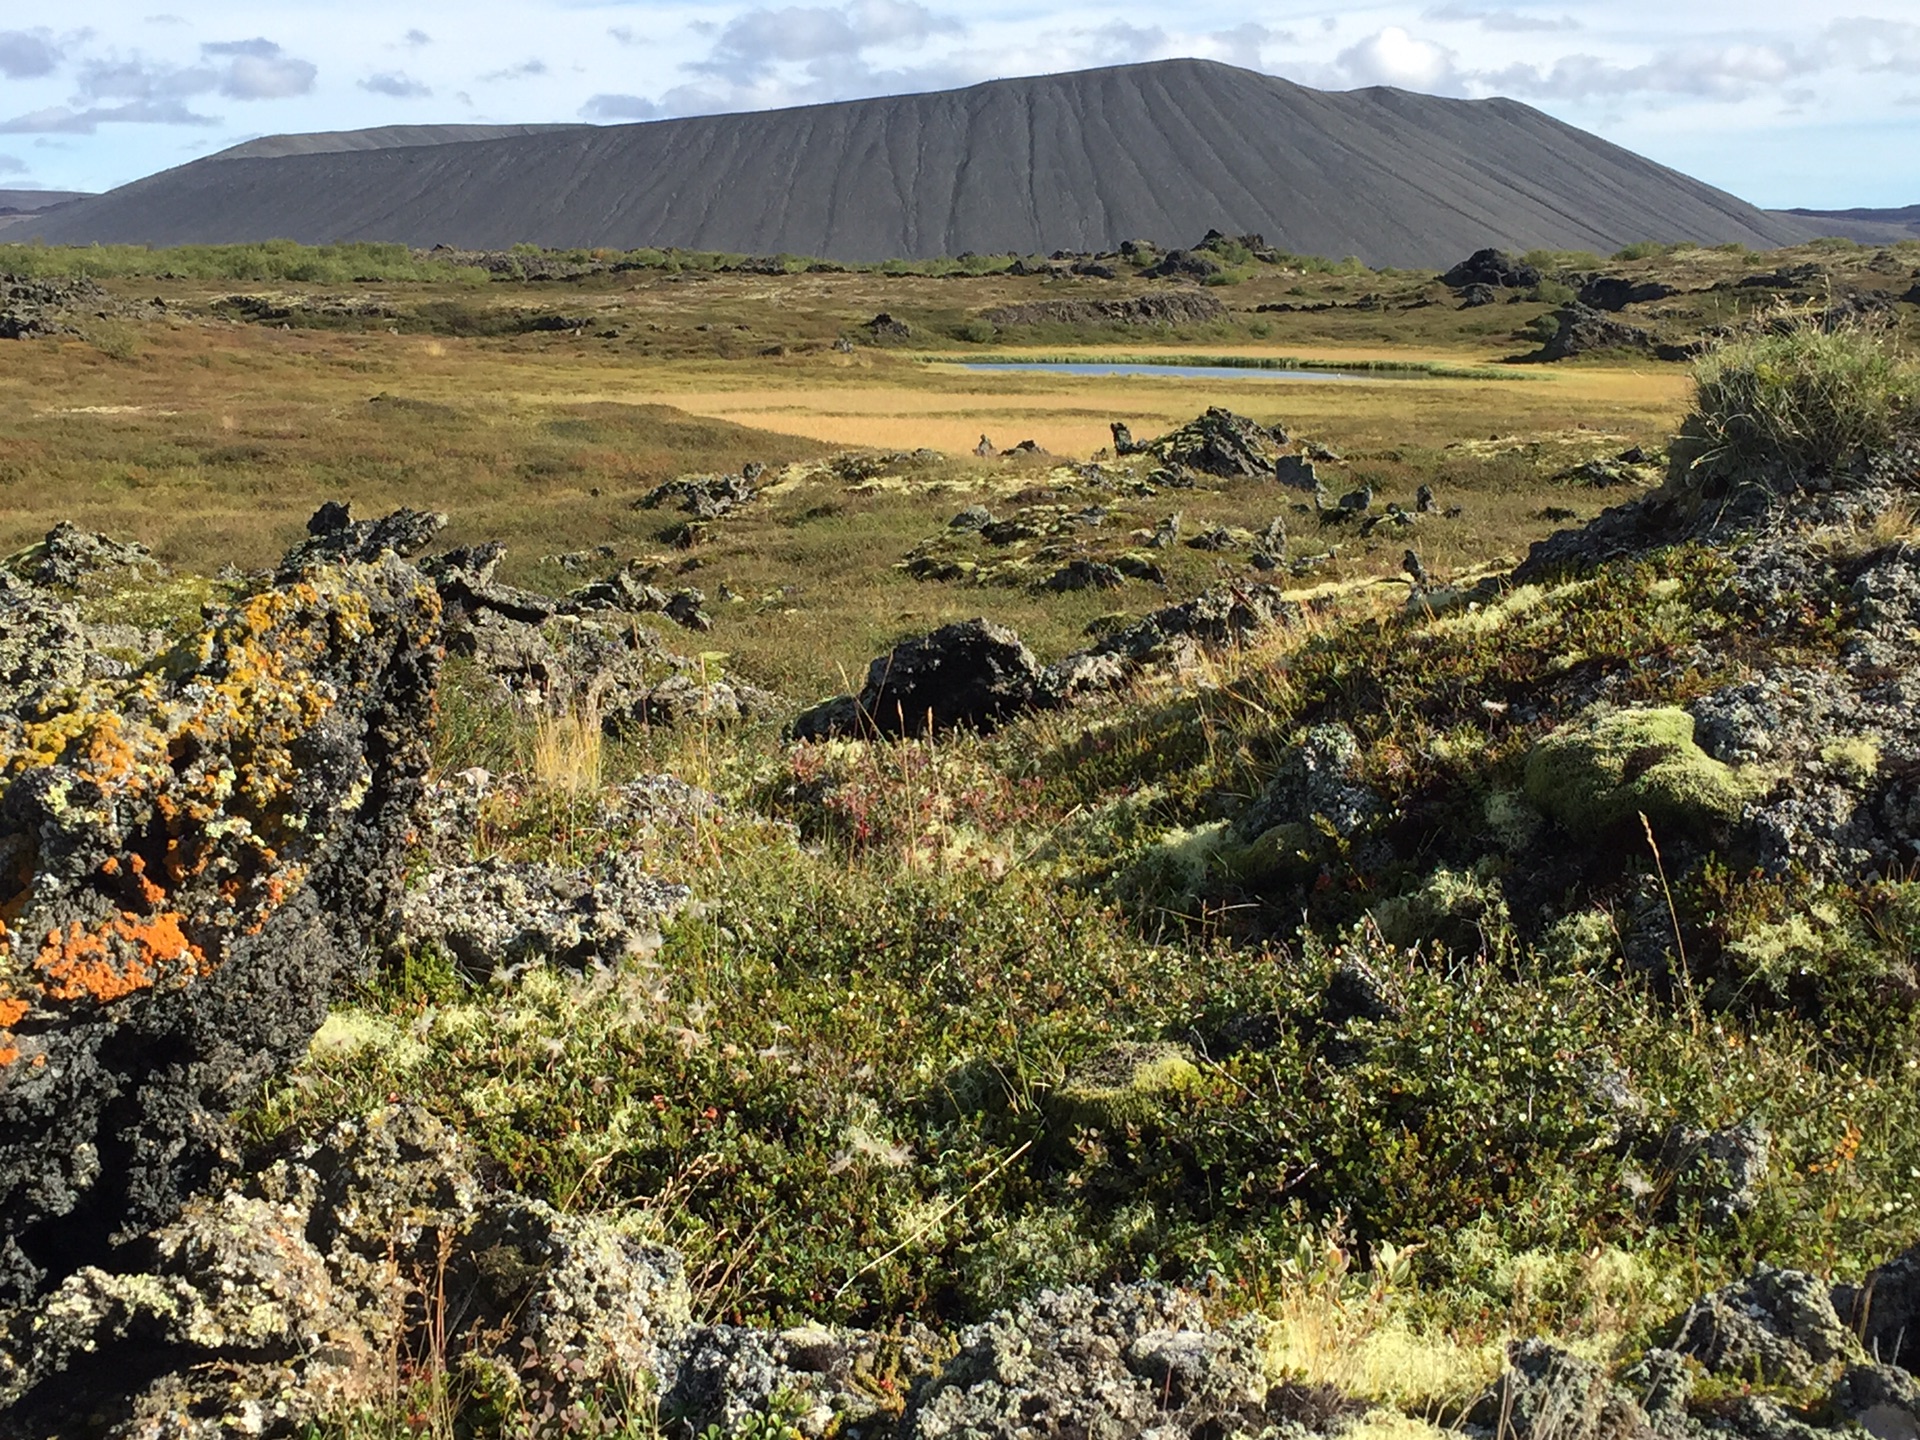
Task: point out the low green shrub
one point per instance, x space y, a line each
1797 402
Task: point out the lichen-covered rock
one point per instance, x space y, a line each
44 649
1884 1310
334 537
1135 1360
1601 772
499 915
622 675
1220 443
1318 781
828 1381
1549 1394
70 556
194 856
1720 1171
1776 1325
1882 1400
1176 638
272 1306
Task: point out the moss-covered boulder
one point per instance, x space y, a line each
1603 770
1128 1084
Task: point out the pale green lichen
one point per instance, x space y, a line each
1601 771
1855 759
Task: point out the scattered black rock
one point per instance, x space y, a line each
1220 443
30 309
1616 292
706 497
1084 575
1492 268
70 556
974 517
1584 331
883 327
1163 307
972 674
1296 472
1183 265
342 540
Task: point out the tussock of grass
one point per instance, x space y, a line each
1801 402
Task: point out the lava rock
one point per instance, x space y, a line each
345 541
973 674
1549 1394
498 916
192 873
1129 1361
1615 292
1493 268
1583 330
1780 1324
69 556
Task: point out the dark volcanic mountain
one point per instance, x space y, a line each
1078 161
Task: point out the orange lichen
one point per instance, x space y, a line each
12 1012
149 893
82 964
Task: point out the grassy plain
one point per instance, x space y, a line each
203 434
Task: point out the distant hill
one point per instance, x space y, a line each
18 206
15 203
1870 227
1077 161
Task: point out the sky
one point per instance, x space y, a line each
1805 104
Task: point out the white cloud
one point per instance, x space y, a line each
751 45
417 38
1395 57
396 84
1246 44
255 69
268 77
12 165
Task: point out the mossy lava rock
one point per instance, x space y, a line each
1126 1085
1601 772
